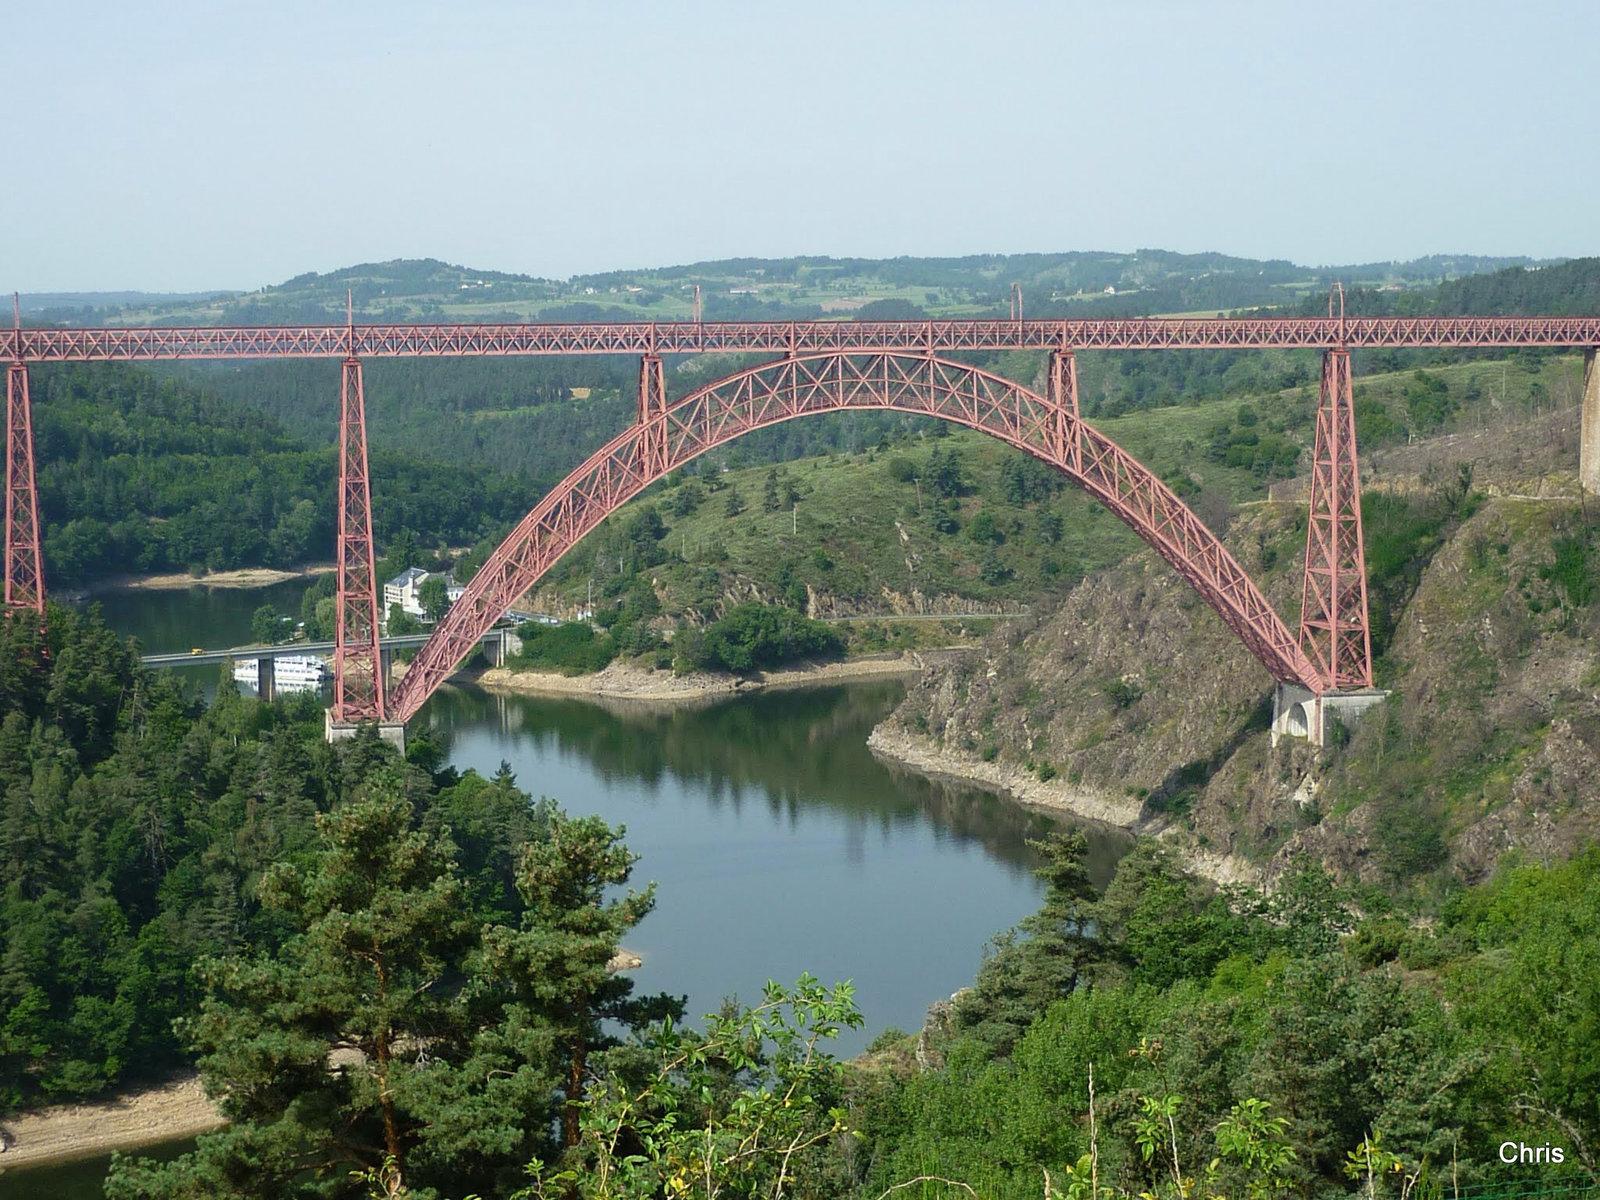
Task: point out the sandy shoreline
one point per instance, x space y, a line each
624 681
178 1109
244 577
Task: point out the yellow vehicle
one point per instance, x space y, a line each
197 650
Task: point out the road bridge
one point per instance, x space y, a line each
494 640
826 366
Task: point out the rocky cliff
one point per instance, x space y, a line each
1131 702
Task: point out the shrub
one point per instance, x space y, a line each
571 649
887 1040
1377 941
756 636
1124 692
1571 571
983 529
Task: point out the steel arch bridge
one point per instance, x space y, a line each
824 366
667 436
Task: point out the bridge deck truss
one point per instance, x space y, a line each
793 337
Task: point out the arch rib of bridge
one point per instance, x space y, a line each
834 381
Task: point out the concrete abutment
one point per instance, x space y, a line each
393 732
1299 712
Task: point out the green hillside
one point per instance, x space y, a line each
1221 426
142 474
930 517
1100 283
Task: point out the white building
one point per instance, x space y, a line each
402 590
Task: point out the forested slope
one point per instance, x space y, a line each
1166 1038
395 979
141 474
181 881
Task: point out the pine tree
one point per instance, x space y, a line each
554 965
321 1052
1043 958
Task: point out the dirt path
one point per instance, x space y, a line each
175 1110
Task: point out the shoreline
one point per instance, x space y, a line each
64 1133
133 1120
242 577
626 682
924 757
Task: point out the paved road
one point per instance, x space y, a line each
204 657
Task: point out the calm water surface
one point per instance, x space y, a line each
80 1180
778 844
168 622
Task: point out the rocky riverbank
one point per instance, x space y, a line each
177 1109
1122 812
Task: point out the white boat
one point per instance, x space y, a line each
290 672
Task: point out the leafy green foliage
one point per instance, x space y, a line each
398 622
1428 400
1040 962
1402 533
222 881
552 970
1574 570
392 1035
749 1107
265 625
1375 425
1533 988
1236 1048
1244 442
572 648
756 637
433 595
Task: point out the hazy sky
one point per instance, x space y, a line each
232 145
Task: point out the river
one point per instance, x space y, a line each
778 843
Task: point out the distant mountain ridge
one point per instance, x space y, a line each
1142 282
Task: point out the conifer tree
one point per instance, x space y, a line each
553 966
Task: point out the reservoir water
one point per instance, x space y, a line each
778 843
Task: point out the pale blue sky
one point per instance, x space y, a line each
229 145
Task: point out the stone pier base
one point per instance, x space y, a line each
1299 712
1589 437
393 732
